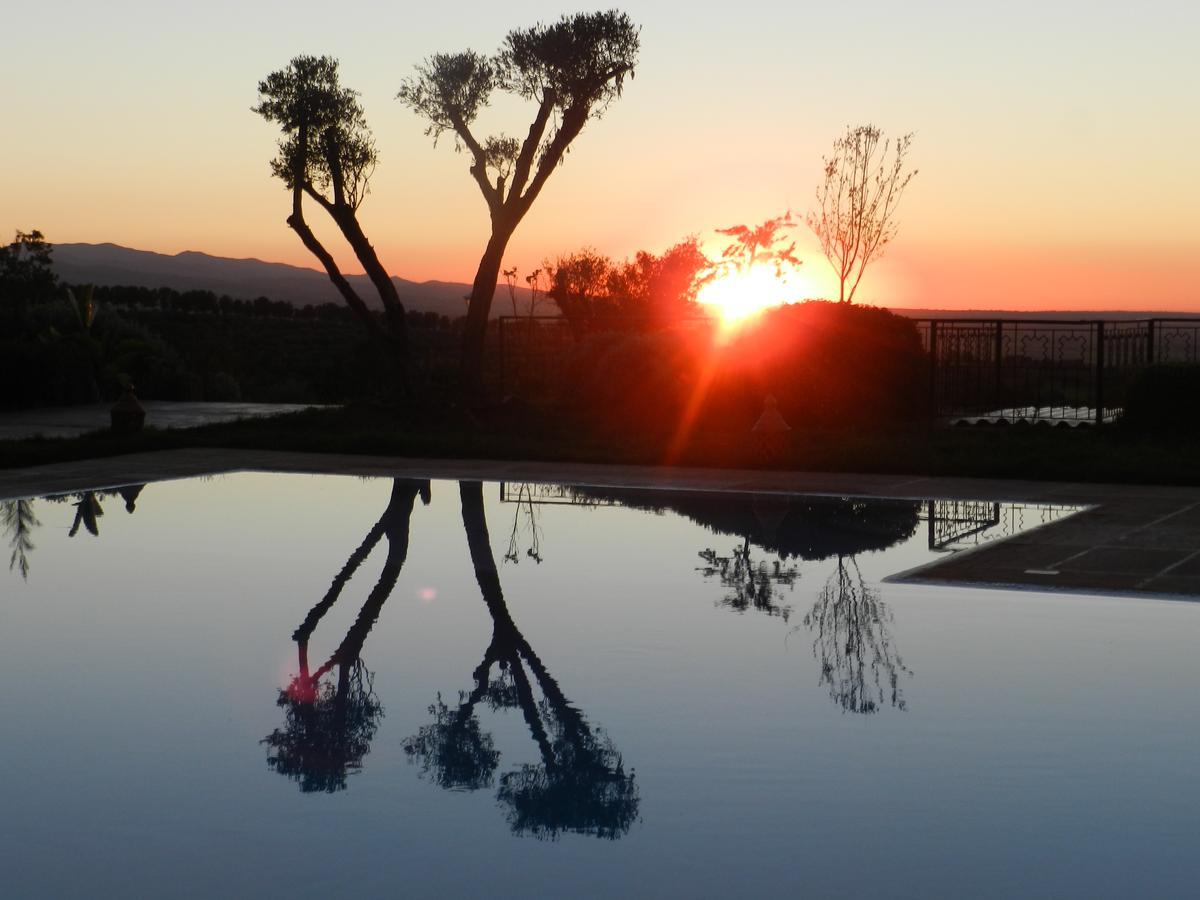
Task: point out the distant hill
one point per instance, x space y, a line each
110 265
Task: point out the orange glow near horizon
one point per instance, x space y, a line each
738 295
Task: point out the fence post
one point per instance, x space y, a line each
998 352
933 365
500 361
1100 373
1150 342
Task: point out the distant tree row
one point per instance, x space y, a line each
588 286
65 344
207 302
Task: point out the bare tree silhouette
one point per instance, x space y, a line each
524 523
580 785
856 202
853 642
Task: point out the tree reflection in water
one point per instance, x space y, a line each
18 521
851 622
328 727
853 642
524 523
751 584
580 784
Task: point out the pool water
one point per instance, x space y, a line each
283 685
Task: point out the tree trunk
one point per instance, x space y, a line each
384 286
482 292
397 525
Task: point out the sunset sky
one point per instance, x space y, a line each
1056 141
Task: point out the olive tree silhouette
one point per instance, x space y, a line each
853 642
580 785
328 727
856 203
572 70
328 154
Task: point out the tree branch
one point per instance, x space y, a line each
532 142
491 194
297 224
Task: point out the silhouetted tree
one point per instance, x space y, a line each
328 727
328 154
510 281
853 642
588 287
536 282
26 271
856 203
752 245
662 286
580 785
579 286
572 70
535 285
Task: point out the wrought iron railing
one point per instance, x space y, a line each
956 524
1038 370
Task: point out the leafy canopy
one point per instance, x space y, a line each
27 268
326 143
572 69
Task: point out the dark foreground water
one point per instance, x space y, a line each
289 686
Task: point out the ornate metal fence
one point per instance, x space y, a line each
955 524
1056 371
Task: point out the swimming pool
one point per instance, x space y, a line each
260 684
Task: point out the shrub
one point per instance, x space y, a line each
1163 400
829 365
222 388
834 365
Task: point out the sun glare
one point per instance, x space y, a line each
741 294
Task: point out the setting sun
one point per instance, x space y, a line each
739 294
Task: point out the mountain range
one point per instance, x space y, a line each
110 264
246 279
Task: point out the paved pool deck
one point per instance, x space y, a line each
1130 539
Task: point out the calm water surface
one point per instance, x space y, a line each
266 685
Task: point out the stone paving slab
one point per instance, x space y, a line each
72 421
1129 539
